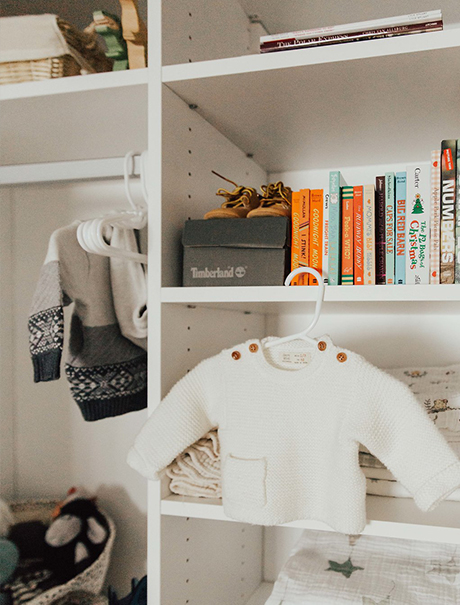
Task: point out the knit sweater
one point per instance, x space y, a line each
107 373
290 437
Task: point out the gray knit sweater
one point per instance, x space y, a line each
107 373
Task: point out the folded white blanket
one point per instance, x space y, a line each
196 472
326 568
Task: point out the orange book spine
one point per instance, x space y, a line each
295 234
304 234
316 233
358 193
347 236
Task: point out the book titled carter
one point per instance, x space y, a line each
418 214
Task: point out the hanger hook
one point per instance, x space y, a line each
320 294
128 171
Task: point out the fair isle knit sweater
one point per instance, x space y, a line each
106 371
290 437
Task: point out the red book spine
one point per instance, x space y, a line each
358 235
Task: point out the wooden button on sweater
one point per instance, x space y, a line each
236 355
253 347
322 346
342 357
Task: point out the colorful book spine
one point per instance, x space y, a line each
316 232
358 236
347 236
418 216
435 231
336 182
448 184
390 228
295 241
326 238
304 234
380 238
400 228
457 217
369 234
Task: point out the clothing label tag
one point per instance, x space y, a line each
301 358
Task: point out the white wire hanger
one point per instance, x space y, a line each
93 234
319 302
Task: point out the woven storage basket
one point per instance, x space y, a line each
90 580
79 53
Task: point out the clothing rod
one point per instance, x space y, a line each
76 170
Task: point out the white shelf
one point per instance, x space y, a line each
261 594
388 517
268 296
278 106
74 84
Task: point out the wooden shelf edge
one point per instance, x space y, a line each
447 38
422 293
180 506
74 84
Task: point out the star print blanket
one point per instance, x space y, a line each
326 568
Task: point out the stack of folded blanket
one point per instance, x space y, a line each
438 390
196 472
326 568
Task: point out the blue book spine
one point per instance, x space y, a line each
335 226
390 227
400 229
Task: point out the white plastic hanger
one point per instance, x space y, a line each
92 235
319 302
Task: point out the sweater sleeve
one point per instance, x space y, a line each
392 424
46 319
184 415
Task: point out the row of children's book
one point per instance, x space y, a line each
404 228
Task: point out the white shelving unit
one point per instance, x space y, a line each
206 103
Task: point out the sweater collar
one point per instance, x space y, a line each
280 361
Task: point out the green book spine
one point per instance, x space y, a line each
335 226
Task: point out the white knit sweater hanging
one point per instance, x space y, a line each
290 421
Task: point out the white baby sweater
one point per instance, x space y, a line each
290 437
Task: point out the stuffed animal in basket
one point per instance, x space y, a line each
76 536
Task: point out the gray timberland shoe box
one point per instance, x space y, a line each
236 252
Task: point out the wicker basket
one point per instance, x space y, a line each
91 580
84 56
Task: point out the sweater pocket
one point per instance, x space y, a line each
243 481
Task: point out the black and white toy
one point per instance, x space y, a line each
76 537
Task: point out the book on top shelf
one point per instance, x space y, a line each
389 228
380 238
435 227
327 40
336 182
369 234
316 232
420 17
358 236
400 228
304 234
448 186
295 242
418 216
347 236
